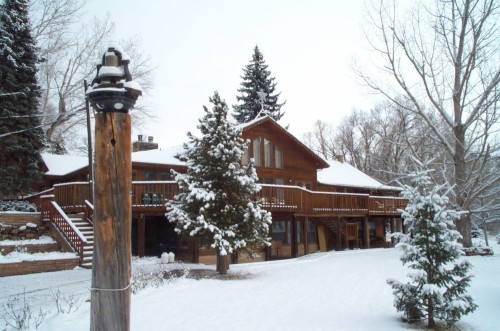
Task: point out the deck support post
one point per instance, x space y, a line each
306 235
141 236
339 235
392 231
294 237
366 232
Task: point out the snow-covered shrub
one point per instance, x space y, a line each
438 283
65 303
17 313
142 279
478 248
16 205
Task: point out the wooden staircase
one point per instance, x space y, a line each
337 233
87 230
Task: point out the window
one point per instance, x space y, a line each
311 233
281 231
256 152
245 158
300 232
165 175
278 158
150 175
268 148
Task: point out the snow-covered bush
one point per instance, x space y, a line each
438 283
16 205
142 279
66 303
17 313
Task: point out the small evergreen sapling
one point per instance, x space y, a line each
216 203
438 283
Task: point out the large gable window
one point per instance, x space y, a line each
278 158
257 158
245 158
268 149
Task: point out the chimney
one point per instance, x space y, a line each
339 158
143 144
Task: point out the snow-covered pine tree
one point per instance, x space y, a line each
439 280
21 135
257 78
216 203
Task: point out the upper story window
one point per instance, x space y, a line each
278 158
245 158
150 175
165 175
264 153
256 152
268 150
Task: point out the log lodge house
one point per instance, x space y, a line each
316 205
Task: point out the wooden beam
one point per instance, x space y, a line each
306 235
366 232
111 265
141 229
339 235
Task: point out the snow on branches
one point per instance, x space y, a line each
439 279
216 203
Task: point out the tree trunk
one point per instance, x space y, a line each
430 315
460 167
222 263
111 269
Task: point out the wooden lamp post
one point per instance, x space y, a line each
112 94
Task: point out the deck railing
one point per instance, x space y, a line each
152 195
88 213
71 196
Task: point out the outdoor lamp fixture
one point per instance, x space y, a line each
112 89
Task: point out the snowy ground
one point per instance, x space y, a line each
323 291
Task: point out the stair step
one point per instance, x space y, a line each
87 265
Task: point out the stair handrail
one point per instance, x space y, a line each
89 212
67 228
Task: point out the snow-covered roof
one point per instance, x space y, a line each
344 174
157 156
61 165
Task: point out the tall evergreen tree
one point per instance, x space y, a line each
21 135
215 204
437 289
257 88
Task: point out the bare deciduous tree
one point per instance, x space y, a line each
444 60
69 50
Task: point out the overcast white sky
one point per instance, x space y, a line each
202 46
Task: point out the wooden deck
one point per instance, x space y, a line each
150 198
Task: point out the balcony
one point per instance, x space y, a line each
149 197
